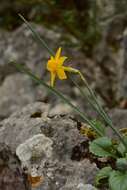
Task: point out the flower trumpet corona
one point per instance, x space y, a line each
56 68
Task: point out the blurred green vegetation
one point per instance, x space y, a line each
77 17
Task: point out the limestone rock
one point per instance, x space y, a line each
60 108
52 140
119 120
17 91
21 47
39 146
23 124
86 187
11 174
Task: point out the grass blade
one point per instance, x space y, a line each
36 35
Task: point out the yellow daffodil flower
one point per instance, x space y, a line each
56 68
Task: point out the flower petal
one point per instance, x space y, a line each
58 54
61 60
61 74
51 64
53 76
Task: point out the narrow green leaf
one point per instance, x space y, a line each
99 126
102 147
118 180
121 148
36 35
102 174
57 93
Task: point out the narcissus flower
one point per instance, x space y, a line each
56 68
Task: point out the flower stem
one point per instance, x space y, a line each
59 94
101 111
85 95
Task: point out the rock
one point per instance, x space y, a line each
17 91
37 147
25 123
86 187
60 108
63 131
119 119
110 53
21 47
52 140
68 175
75 175
11 174
123 79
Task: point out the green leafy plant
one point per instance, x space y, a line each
116 178
102 145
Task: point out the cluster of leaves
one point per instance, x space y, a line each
105 147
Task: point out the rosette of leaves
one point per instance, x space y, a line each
116 178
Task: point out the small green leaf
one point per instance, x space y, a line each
121 164
118 180
102 147
121 149
102 174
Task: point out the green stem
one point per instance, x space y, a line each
84 95
37 36
56 92
101 111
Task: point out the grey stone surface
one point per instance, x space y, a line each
21 47
15 92
18 90
12 176
34 147
60 108
58 170
119 120
86 187
23 124
119 117
123 81
63 131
